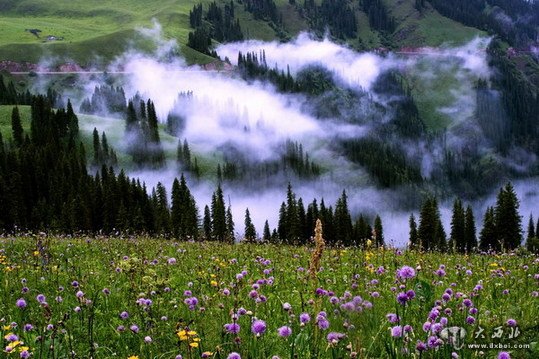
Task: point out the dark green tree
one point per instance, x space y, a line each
250 231
379 232
457 241
206 223
488 238
266 237
16 127
470 237
218 216
507 218
342 221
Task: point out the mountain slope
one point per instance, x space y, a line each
98 31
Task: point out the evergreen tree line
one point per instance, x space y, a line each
44 185
296 223
105 100
336 15
237 168
502 227
10 96
175 123
262 10
142 133
103 153
520 97
379 16
489 15
218 23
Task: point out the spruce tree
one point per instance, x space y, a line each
16 127
206 223
250 231
427 225
457 236
531 228
230 224
379 232
507 218
97 147
342 221
488 238
266 237
218 215
469 230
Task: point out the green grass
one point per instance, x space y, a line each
88 282
103 28
429 28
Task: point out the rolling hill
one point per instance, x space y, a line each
97 31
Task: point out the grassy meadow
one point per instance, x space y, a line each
155 298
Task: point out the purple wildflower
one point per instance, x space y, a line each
284 331
233 355
258 327
21 303
232 328
402 298
304 318
504 355
396 331
511 322
334 337
392 318
406 272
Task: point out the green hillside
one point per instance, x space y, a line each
97 31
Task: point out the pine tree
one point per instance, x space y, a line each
379 232
292 219
218 215
427 225
162 212
282 226
97 147
230 224
206 224
343 221
531 228
414 238
16 127
469 230
488 238
250 231
457 236
266 237
507 218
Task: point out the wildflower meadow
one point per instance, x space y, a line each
153 298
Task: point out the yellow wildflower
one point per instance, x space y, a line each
133 357
213 283
6 327
193 345
191 333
